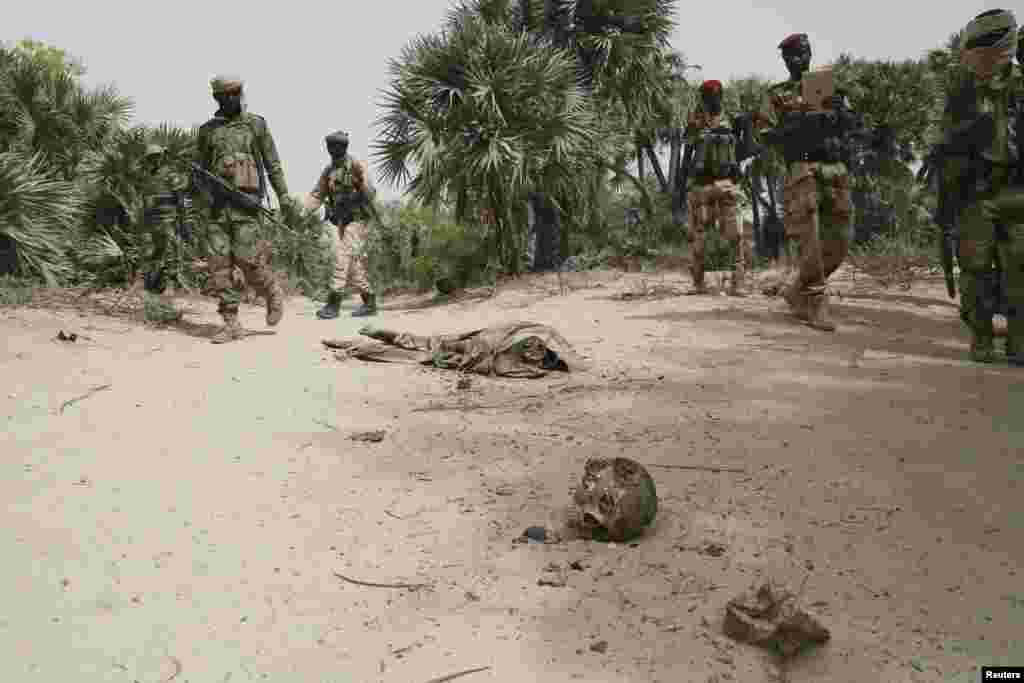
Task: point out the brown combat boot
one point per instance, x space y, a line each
798 302
275 303
818 314
737 283
697 273
232 330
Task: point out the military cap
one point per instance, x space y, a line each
153 150
793 40
225 84
711 86
992 22
338 137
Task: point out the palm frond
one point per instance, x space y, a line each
38 212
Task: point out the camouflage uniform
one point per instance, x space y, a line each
338 187
818 211
714 197
990 262
229 147
165 211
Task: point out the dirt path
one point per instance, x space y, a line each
186 522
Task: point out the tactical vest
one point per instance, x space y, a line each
714 155
787 97
233 144
345 204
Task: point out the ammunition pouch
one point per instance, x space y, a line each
242 171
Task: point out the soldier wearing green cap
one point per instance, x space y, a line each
987 174
345 188
237 146
165 218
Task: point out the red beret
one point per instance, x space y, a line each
710 86
793 40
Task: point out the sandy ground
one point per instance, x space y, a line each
186 523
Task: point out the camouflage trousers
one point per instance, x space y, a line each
717 203
238 258
988 267
818 212
164 253
351 264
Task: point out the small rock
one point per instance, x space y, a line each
373 436
712 549
552 581
599 647
768 615
538 534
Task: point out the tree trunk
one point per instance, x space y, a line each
8 255
640 173
656 166
546 230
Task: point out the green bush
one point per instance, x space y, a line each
416 247
15 291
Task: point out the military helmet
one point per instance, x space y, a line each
153 150
338 137
225 85
994 28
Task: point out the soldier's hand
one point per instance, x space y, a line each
835 102
990 210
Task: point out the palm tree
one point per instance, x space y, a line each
49 124
481 115
620 49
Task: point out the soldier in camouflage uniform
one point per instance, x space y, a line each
237 146
991 224
165 219
714 195
816 194
344 187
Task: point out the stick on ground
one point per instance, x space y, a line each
458 674
73 401
701 468
371 584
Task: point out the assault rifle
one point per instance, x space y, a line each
220 192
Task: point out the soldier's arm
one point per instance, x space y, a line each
203 151
268 150
360 175
315 198
765 116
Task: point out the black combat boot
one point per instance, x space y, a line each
332 308
369 306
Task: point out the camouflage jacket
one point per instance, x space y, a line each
714 142
341 187
235 149
165 191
